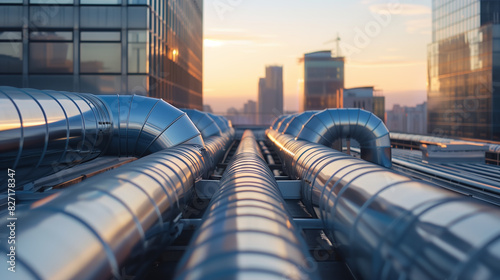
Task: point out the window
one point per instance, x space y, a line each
51 57
51 52
100 17
51 1
137 51
100 84
51 36
11 52
137 2
100 2
11 1
97 54
100 36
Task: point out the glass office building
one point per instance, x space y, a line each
270 104
323 81
145 47
464 69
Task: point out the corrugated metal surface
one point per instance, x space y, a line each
247 232
389 226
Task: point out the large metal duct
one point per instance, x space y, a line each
247 232
42 132
143 125
295 125
277 122
330 125
222 122
284 123
389 226
111 225
205 124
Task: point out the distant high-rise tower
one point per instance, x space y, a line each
464 69
323 81
271 94
152 48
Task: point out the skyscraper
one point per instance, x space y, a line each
323 81
366 98
145 47
271 94
464 69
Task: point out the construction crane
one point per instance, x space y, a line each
337 41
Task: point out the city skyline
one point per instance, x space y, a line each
393 58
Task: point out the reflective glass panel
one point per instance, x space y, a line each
100 57
100 36
11 36
137 51
51 1
51 57
11 57
52 36
100 84
100 2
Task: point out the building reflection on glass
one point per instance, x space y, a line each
323 81
151 48
464 70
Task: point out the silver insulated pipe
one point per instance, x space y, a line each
277 122
42 132
144 125
205 124
114 224
298 121
330 125
284 123
246 232
388 226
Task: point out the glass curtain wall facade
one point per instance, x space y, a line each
144 47
271 95
464 70
323 81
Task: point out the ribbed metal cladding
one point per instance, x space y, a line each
205 124
277 122
143 125
113 224
298 121
330 125
246 232
222 122
284 123
389 226
42 132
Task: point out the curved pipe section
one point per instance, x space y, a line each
221 122
295 125
277 122
330 125
42 132
389 226
114 224
284 123
144 125
205 124
246 232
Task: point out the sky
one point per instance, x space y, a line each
384 42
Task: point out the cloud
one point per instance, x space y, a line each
400 9
419 26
